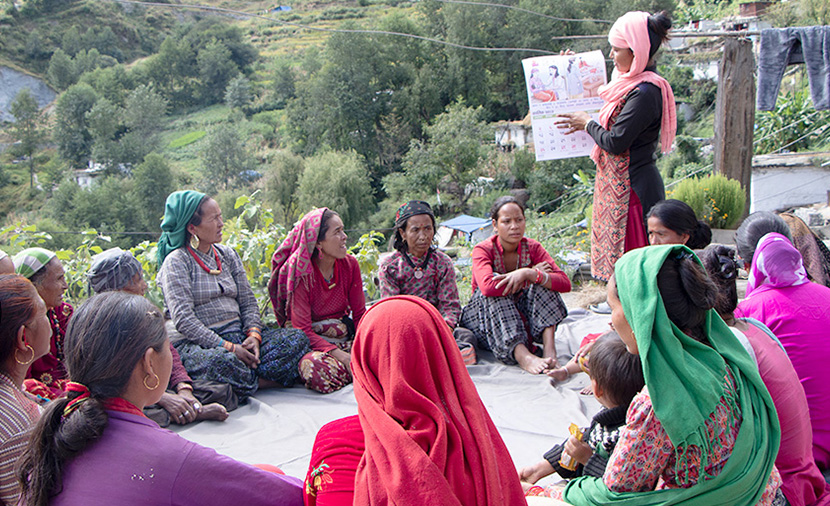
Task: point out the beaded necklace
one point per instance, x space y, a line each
217 270
57 333
419 269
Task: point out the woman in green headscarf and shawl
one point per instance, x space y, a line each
206 291
704 430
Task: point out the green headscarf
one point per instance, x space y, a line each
685 381
178 210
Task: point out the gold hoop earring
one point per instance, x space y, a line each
194 241
27 362
148 387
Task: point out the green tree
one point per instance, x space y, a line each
451 157
225 157
238 93
342 106
144 112
105 41
281 181
212 30
35 49
283 88
72 132
153 182
61 70
71 41
112 83
105 127
86 61
26 127
172 71
216 69
340 181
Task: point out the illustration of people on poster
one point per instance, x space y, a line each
557 84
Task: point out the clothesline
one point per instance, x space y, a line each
673 35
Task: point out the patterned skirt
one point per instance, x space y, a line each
279 354
319 370
502 323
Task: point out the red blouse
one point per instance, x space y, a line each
316 301
484 255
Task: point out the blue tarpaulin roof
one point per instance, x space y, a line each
466 223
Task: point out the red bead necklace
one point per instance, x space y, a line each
217 270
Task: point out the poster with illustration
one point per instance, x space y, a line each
557 84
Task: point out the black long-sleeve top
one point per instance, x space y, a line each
637 129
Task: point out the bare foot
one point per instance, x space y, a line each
559 374
589 390
535 365
214 411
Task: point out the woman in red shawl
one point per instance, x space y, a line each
639 105
428 438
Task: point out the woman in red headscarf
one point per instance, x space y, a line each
316 285
428 438
639 108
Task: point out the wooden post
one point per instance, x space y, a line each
735 113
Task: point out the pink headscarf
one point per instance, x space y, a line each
775 264
631 31
292 261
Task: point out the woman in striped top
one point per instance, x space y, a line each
25 335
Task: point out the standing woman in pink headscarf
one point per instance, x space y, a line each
639 108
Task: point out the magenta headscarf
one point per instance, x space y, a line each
292 262
775 264
631 31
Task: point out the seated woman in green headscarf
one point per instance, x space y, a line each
703 430
211 303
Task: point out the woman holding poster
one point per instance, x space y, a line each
639 106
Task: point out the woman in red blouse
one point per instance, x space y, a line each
316 285
516 286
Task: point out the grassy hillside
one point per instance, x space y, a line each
27 41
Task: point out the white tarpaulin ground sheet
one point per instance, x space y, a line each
278 426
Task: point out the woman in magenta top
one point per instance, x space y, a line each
780 296
516 287
317 286
803 484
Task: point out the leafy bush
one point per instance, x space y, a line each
367 254
717 200
794 125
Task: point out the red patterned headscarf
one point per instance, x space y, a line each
292 262
429 439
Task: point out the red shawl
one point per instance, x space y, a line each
429 439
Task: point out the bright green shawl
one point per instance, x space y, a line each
178 210
685 381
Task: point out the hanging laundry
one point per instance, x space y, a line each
787 46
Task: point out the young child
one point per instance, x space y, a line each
616 377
